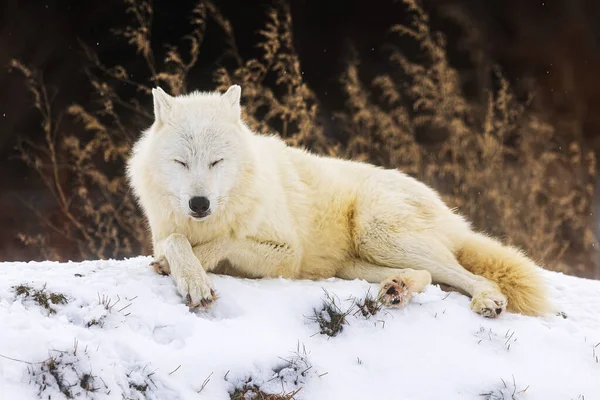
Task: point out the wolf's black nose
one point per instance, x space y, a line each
199 205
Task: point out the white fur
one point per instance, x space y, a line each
281 211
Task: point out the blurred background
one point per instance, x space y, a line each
496 104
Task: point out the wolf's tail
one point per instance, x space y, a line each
517 276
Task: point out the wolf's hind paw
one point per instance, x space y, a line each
394 292
489 304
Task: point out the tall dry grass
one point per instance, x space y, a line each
503 166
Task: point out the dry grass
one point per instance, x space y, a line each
41 297
505 392
368 306
97 213
140 383
68 372
291 375
249 391
500 164
330 317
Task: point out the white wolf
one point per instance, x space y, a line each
221 198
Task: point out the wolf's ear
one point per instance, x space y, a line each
162 105
232 98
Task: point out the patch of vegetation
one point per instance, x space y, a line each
95 322
140 383
290 376
107 304
294 369
41 297
251 391
87 382
505 392
330 317
491 337
65 372
368 306
140 388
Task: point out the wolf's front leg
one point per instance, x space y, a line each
209 254
190 278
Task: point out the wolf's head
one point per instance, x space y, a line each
198 144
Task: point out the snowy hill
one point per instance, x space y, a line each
117 330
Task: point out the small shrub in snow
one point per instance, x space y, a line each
285 383
330 317
41 297
106 306
65 372
368 306
143 383
252 392
505 392
95 322
295 369
140 384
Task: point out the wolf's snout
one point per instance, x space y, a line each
199 205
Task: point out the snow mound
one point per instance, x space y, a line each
116 330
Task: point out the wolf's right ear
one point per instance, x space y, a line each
162 105
232 98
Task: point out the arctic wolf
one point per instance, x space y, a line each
221 198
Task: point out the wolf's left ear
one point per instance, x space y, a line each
232 98
162 105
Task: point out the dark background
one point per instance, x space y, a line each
550 46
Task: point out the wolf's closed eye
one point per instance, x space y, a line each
214 163
181 163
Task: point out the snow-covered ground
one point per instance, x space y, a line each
124 333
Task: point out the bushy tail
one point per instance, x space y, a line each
517 276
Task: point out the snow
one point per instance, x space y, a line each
150 345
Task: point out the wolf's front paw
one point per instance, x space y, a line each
161 266
196 288
490 304
394 292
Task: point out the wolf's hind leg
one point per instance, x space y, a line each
396 250
397 286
